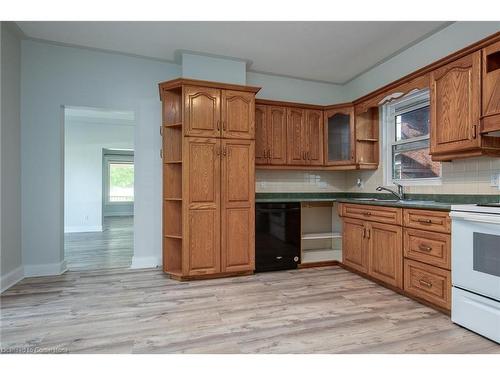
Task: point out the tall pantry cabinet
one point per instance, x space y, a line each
208 156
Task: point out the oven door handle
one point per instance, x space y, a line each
481 218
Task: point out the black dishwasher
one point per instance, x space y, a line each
277 236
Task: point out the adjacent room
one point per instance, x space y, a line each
256 187
98 188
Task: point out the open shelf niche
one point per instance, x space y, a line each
367 138
321 228
171 132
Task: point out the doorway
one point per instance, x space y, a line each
98 188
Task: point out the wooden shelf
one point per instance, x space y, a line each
367 140
319 236
173 199
173 162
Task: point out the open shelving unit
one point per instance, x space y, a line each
321 228
367 138
172 135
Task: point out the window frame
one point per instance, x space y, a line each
414 100
108 159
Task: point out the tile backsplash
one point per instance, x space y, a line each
468 176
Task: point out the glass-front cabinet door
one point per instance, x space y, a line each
339 136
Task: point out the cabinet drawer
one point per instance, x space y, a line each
428 247
437 221
428 283
387 215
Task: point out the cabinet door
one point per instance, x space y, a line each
201 182
202 111
455 105
277 135
491 88
238 114
314 125
261 135
354 245
238 205
296 136
385 253
339 136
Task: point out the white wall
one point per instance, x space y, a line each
11 255
213 69
11 269
296 90
53 76
451 39
85 139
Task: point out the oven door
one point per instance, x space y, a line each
475 253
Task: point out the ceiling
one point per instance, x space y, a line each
334 52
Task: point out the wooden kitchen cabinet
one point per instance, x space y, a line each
305 136
208 178
271 139
296 136
212 112
339 136
355 245
490 120
374 249
201 224
385 253
456 108
238 205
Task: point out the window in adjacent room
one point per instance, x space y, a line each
406 140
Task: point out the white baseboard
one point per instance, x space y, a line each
95 228
48 269
11 278
146 262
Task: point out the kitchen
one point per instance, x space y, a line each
282 203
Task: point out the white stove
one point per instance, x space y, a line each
475 271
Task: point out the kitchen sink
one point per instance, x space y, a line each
404 201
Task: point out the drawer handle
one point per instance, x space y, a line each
424 247
425 283
425 221
367 213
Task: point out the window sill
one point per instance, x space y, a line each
419 182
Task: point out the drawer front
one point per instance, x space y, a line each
428 283
387 215
437 221
428 247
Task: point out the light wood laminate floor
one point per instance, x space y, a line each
111 248
318 310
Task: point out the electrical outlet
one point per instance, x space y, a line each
495 179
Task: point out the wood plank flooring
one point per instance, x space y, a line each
111 248
316 310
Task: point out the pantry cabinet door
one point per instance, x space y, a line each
238 205
238 114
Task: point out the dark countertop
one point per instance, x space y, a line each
440 202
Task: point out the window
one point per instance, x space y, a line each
121 182
406 141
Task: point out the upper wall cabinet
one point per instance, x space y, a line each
211 112
270 135
456 111
339 136
491 89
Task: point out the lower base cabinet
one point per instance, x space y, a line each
428 282
375 249
398 252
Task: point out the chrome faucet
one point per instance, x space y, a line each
400 194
